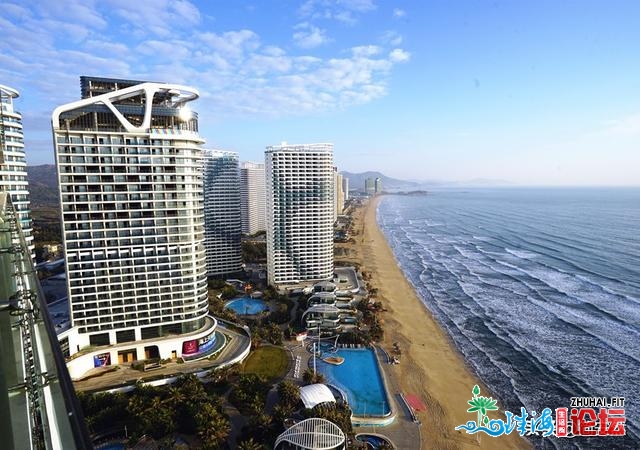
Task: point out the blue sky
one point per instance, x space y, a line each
532 92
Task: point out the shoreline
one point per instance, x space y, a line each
431 367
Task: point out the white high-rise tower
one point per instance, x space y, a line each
253 197
13 165
222 221
129 163
300 208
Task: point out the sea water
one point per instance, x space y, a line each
538 288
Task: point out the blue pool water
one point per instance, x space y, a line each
359 377
372 440
247 306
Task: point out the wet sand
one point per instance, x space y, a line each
430 366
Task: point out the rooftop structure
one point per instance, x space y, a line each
300 206
222 223
13 165
129 162
253 197
316 394
312 434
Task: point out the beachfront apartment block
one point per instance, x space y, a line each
253 197
300 210
345 187
338 192
13 164
222 221
129 162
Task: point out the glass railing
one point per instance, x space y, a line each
38 403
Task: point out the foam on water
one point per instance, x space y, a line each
540 318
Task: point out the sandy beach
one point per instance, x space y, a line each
430 365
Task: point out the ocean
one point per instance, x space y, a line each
538 288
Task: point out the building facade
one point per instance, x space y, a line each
300 209
369 186
253 197
345 188
338 194
13 165
222 222
129 162
378 185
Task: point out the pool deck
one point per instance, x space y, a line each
403 432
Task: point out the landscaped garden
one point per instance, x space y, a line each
268 362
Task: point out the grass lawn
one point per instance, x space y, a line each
268 362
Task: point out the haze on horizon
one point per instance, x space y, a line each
542 93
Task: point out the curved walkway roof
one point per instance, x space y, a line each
313 434
314 394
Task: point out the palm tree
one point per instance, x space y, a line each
212 427
249 445
289 392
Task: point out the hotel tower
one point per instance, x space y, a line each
222 220
300 209
253 197
129 164
13 165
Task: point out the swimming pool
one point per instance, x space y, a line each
246 306
373 441
360 378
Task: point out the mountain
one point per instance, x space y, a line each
43 186
356 181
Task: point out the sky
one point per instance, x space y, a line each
529 92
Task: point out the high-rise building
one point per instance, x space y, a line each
378 186
338 194
369 186
13 165
222 223
253 197
300 206
129 163
345 188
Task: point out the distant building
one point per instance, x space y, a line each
222 221
13 165
378 186
338 194
300 208
253 197
369 186
345 188
129 162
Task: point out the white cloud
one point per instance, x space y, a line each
345 11
627 126
365 50
399 13
399 55
237 73
391 37
309 36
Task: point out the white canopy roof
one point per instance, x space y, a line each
313 434
314 394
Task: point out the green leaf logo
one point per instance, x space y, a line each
481 405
